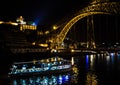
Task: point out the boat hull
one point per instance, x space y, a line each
49 72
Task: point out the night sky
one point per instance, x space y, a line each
40 11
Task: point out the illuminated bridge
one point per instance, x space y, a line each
103 7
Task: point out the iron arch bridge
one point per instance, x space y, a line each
92 9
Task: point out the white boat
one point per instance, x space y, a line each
40 67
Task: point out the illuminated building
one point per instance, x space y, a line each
27 27
20 20
24 25
17 35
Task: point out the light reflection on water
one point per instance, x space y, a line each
91 77
90 70
46 80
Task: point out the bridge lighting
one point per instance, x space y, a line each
96 8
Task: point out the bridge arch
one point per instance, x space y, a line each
92 9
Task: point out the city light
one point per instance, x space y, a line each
55 27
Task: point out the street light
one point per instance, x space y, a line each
55 27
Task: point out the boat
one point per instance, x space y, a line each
53 65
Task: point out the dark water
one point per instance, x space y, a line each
91 70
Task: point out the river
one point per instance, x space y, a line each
97 69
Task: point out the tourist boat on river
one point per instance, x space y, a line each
52 65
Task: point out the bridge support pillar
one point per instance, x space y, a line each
90 32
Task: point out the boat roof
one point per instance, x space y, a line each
39 61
